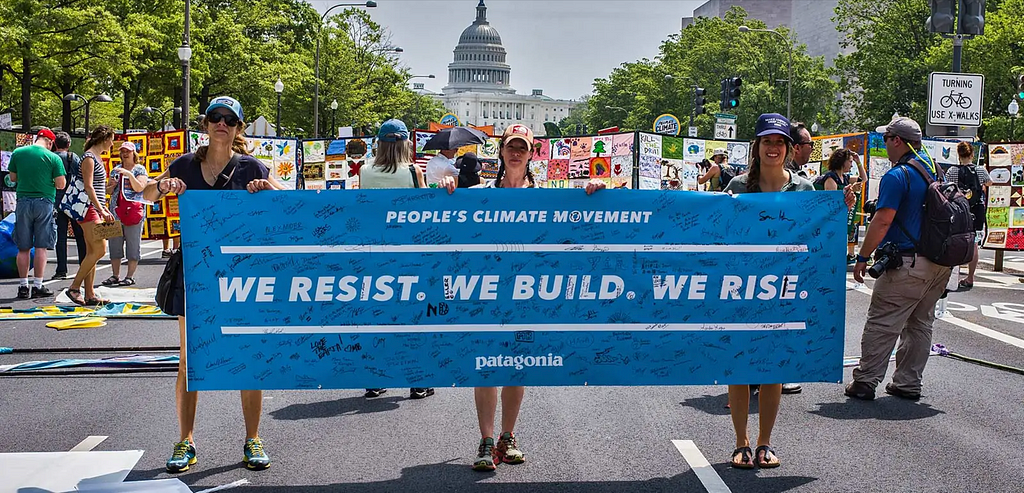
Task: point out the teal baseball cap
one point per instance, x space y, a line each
392 131
227 103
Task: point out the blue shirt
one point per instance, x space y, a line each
902 189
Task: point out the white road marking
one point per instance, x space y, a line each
701 467
971 326
88 444
101 267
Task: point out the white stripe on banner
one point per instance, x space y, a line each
511 248
403 329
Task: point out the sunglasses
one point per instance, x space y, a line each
229 119
888 137
803 144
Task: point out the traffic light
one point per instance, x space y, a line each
972 17
698 101
1020 86
732 93
943 16
724 95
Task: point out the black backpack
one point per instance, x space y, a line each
947 226
967 180
725 174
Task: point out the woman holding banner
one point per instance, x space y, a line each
223 164
772 149
393 167
514 151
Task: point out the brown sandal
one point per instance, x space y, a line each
76 296
96 302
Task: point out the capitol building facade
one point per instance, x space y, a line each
478 89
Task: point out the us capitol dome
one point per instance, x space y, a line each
478 90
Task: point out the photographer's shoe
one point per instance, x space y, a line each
902 394
791 388
861 391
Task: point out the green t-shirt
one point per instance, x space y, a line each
36 168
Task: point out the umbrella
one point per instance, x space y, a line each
454 138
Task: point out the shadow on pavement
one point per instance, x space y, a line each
711 404
189 476
337 407
883 408
459 477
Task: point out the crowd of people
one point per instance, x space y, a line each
902 303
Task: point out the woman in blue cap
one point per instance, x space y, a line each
393 167
223 164
771 150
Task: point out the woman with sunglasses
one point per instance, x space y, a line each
223 164
514 152
94 177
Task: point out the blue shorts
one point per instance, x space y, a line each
34 225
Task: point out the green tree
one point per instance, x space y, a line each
704 53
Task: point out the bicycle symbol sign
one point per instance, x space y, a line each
955 99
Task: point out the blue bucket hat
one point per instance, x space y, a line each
392 131
773 123
227 103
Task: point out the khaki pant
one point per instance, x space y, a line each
902 306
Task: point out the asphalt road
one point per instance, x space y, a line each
964 435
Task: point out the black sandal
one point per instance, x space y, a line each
97 302
127 282
746 459
111 281
76 296
762 459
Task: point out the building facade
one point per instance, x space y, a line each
478 90
810 20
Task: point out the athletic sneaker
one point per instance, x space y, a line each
184 456
370 393
255 458
485 455
42 292
23 293
420 393
508 451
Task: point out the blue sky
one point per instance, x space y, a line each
559 46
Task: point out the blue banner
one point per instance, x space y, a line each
489 287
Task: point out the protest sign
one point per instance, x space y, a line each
488 287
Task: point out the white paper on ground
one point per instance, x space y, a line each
116 295
64 471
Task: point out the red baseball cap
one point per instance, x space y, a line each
45 132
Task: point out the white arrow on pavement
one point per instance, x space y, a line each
1011 312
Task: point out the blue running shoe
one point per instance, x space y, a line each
183 457
255 458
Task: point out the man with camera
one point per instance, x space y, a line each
908 284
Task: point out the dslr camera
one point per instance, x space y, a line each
870 207
886 257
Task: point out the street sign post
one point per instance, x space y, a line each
5 121
955 99
725 130
692 132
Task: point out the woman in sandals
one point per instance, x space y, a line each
224 164
514 152
393 167
127 181
94 177
771 151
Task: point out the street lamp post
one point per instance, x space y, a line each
620 109
149 110
416 115
103 98
334 113
670 77
185 56
789 80
1012 109
316 62
278 88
